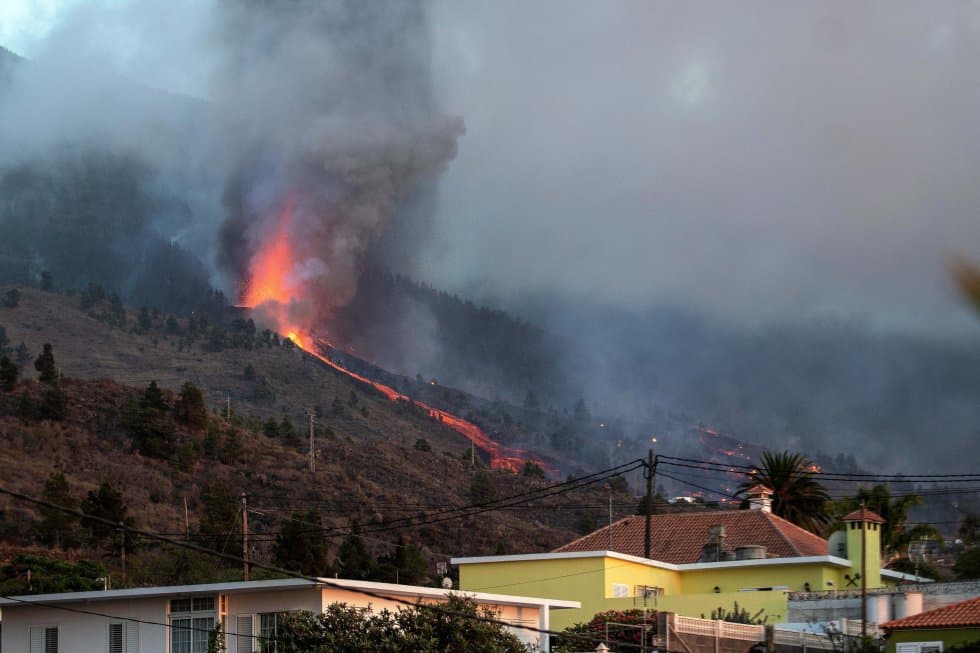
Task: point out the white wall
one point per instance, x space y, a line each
84 633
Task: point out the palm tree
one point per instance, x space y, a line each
796 494
895 533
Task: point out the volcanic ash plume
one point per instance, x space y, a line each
337 127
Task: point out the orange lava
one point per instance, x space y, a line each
501 457
271 286
271 266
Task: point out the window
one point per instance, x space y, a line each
919 647
44 639
269 631
243 633
620 590
648 591
192 624
124 638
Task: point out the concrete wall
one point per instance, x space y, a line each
85 633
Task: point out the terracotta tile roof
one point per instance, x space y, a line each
679 538
863 514
958 615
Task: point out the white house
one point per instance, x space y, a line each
178 619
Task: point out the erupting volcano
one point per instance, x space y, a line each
277 292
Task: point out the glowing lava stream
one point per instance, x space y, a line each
500 457
273 284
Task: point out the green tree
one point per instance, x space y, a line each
353 560
190 408
797 495
106 503
967 565
57 527
12 298
407 565
22 353
895 534
302 545
8 375
969 530
908 566
4 340
45 365
54 404
219 520
48 575
47 281
457 626
532 469
482 488
151 425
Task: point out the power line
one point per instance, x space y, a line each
497 504
278 570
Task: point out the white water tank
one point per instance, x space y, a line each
750 552
906 604
879 608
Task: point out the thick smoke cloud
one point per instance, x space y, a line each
755 160
337 127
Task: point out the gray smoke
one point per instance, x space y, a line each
336 124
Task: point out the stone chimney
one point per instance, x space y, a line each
760 498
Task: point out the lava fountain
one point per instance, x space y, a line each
276 289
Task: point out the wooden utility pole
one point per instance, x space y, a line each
187 520
122 550
245 535
651 470
228 407
609 548
312 445
864 574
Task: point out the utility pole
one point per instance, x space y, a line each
651 470
228 407
187 520
609 548
472 454
245 534
864 574
122 550
312 443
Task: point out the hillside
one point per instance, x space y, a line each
370 467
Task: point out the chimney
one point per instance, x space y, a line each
714 548
760 498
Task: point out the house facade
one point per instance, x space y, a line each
700 563
180 619
936 630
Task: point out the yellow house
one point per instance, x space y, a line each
699 562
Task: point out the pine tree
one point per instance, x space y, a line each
353 559
106 503
220 518
54 404
57 527
8 375
302 545
190 407
45 365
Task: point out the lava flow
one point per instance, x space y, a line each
274 288
501 457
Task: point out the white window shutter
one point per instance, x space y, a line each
243 630
37 640
132 637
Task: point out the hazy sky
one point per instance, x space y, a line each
754 159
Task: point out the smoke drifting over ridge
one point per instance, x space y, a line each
339 129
